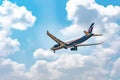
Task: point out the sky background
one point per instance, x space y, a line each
25 48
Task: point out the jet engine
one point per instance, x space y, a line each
56 45
74 49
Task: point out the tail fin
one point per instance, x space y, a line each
87 33
91 28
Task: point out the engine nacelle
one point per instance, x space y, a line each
56 45
74 49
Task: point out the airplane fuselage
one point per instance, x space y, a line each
79 40
73 43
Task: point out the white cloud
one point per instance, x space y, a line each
40 71
8 45
12 17
44 54
71 66
115 72
83 13
68 30
67 66
101 64
15 17
10 70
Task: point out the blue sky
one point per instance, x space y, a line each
108 2
52 16
28 44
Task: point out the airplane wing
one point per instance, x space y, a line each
88 44
56 39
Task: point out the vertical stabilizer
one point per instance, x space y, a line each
91 28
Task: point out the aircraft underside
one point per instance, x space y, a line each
74 48
74 43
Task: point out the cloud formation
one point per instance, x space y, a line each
102 63
8 45
83 13
12 17
12 70
15 17
45 55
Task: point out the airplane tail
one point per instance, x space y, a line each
89 30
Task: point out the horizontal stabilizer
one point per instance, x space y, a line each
97 34
86 33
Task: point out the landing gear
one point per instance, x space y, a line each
65 47
53 51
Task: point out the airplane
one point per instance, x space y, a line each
74 43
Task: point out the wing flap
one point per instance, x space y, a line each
56 39
88 44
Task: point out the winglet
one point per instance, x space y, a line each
47 31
